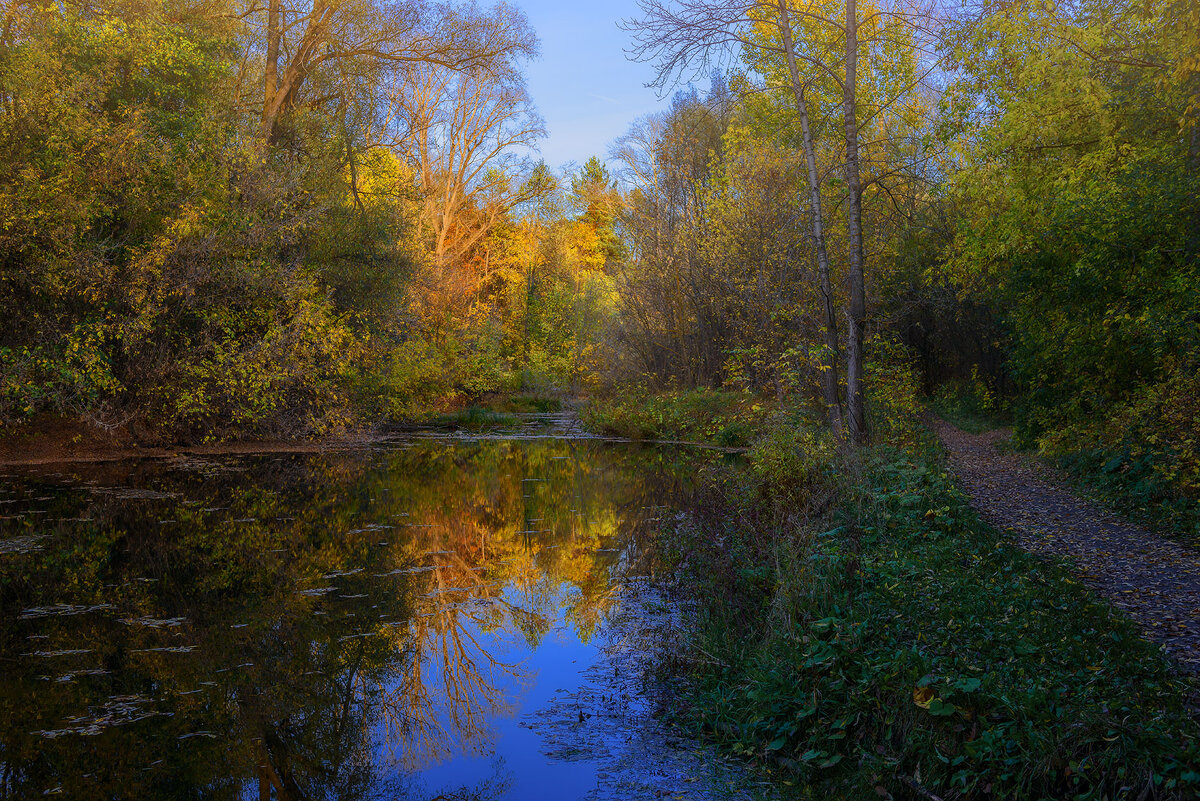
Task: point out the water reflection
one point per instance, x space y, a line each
304 627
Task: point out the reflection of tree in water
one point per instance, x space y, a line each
312 626
454 686
319 748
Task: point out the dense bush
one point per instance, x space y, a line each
174 265
1145 456
1074 221
153 264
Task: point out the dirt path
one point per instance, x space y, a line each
1156 580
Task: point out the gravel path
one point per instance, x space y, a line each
1155 579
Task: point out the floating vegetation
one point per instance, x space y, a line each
154 623
27 544
177 649
92 672
340 573
119 710
366 529
134 494
61 610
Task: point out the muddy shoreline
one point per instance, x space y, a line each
75 442
78 445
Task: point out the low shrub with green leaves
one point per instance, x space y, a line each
1143 456
730 419
525 403
894 646
473 418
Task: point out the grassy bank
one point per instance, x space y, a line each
489 413
859 632
731 419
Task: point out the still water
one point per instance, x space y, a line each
409 621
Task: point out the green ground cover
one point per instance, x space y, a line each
731 419
859 631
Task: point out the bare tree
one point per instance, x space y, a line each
855 406
302 38
469 138
692 34
670 303
799 87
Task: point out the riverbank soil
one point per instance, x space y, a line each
1154 578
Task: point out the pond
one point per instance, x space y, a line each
424 618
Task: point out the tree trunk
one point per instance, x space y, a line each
829 365
856 408
529 292
271 89
281 91
1194 163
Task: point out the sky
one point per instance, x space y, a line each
583 85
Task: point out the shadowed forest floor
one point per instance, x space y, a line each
1155 579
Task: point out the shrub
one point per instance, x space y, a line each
703 415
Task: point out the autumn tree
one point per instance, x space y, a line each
596 198
469 138
683 35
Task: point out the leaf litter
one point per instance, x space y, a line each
1151 577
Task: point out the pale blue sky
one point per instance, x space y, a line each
583 85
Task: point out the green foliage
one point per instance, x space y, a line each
474 418
530 404
893 403
403 383
156 266
969 404
789 461
731 419
1106 347
1073 217
1144 459
166 268
909 643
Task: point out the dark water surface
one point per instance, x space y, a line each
379 623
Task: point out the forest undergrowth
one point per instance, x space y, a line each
858 630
